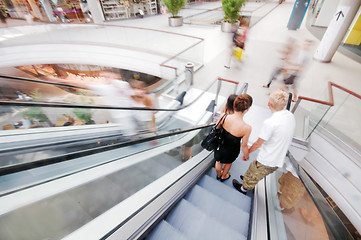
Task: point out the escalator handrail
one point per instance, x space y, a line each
330 93
41 81
91 106
69 156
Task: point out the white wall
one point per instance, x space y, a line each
327 12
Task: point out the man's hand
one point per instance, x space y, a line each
244 158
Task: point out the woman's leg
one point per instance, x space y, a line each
226 169
218 167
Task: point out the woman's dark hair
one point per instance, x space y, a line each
230 102
242 103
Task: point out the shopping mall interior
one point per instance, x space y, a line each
104 106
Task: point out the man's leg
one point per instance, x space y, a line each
254 174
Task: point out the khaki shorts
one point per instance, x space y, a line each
255 173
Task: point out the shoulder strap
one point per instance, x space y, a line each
221 121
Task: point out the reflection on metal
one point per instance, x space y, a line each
189 72
331 202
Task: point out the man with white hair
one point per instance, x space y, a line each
274 140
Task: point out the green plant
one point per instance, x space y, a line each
83 114
36 113
231 9
174 6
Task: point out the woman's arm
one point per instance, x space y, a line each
244 143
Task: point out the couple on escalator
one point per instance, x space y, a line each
274 139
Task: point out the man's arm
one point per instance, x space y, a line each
256 145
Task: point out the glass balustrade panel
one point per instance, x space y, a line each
308 115
343 119
295 213
69 209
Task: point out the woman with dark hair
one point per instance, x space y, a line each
235 136
228 108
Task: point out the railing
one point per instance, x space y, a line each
295 203
149 164
339 115
212 13
135 46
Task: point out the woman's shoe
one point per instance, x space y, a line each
218 178
222 180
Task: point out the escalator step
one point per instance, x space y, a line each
219 209
220 189
164 231
196 224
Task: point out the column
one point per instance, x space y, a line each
96 11
341 21
48 11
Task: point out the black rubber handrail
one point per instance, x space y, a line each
67 105
69 156
41 81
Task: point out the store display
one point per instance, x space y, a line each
114 9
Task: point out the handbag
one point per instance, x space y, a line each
215 136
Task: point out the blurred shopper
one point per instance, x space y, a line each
235 136
29 18
274 140
291 72
85 8
25 123
3 16
145 119
69 121
238 42
140 13
285 59
117 93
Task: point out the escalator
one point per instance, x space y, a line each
150 194
53 183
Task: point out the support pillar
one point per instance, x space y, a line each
49 11
337 29
96 11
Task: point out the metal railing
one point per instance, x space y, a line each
338 115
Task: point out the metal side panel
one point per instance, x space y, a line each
132 217
259 218
342 193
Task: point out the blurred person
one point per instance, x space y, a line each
140 13
285 59
291 72
238 41
3 16
69 121
29 18
274 140
85 8
146 119
235 136
117 93
25 123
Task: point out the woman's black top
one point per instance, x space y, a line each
229 150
